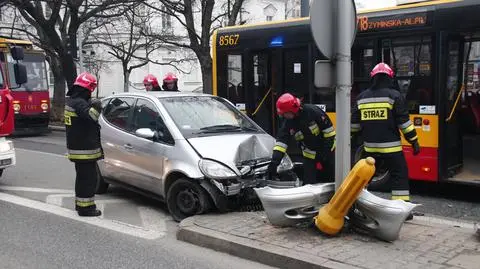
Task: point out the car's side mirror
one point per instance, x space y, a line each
146 133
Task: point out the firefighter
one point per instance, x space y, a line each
83 141
170 83
151 83
312 129
378 114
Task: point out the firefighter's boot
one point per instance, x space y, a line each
89 213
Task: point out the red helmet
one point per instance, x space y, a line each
382 68
150 79
287 103
170 77
87 81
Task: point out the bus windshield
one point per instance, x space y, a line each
36 72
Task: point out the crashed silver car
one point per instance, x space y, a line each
194 151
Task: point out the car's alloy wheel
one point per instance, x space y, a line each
186 198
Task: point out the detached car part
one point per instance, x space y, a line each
382 218
290 206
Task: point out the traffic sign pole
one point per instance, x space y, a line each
343 89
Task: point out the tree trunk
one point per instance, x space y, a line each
58 103
69 69
126 78
206 67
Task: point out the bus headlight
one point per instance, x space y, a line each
44 106
16 107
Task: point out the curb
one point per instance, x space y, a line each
251 250
56 128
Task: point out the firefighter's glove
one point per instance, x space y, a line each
96 104
416 148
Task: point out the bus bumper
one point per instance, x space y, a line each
26 124
424 166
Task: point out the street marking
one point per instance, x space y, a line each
31 189
153 219
41 152
117 226
57 199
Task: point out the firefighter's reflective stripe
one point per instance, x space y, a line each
84 154
310 154
355 127
406 127
388 147
328 132
334 145
69 108
314 129
376 100
299 136
375 105
405 198
93 114
402 192
279 146
84 202
68 116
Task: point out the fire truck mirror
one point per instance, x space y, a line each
20 73
17 53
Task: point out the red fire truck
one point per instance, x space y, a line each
31 101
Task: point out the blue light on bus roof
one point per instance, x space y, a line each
276 41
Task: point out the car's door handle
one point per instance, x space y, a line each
128 146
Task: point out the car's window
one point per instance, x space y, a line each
146 115
195 115
118 112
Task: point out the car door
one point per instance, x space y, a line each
116 133
150 153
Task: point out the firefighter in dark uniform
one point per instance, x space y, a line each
312 129
83 141
380 112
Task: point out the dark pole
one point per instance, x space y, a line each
304 8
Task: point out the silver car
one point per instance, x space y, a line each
194 151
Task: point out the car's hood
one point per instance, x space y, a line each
232 149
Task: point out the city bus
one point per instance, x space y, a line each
31 101
433 47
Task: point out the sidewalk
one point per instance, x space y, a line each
425 242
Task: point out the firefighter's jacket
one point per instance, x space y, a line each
83 131
379 115
312 129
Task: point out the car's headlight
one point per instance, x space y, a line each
6 146
285 165
215 170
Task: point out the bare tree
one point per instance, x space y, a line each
186 12
57 32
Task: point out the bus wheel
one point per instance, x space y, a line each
381 179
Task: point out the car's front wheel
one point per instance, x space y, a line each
186 198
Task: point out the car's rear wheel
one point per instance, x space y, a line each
186 198
381 179
102 186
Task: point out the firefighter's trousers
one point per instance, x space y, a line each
320 169
397 165
85 184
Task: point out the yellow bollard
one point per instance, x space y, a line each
330 218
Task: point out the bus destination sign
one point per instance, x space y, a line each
391 22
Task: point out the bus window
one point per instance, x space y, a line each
36 72
230 80
411 60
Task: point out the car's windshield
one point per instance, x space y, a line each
201 115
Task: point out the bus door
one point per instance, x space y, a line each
451 148
463 107
258 80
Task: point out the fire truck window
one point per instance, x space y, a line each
36 72
118 112
411 60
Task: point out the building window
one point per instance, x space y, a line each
269 18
